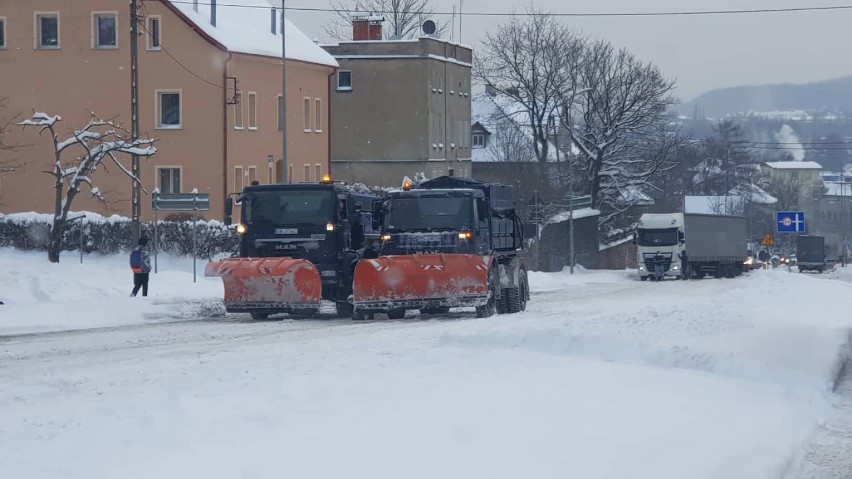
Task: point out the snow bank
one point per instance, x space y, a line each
40 296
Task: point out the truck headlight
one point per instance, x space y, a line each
641 268
675 268
241 229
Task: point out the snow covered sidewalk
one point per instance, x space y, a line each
41 297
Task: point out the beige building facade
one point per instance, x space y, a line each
401 108
209 90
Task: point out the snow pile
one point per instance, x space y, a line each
40 296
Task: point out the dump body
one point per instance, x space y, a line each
810 252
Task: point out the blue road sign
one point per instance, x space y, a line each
791 222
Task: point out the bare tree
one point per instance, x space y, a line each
404 17
532 61
97 141
508 143
622 105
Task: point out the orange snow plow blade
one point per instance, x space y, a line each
421 281
253 284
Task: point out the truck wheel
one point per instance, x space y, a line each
488 309
524 287
360 315
258 315
643 278
304 311
442 310
344 309
396 313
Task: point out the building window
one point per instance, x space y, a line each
280 111
344 80
104 35
238 179
318 172
252 174
252 110
47 30
479 140
307 115
318 115
270 173
2 33
290 174
307 172
169 180
238 115
169 109
154 33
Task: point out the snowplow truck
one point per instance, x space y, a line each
296 248
447 243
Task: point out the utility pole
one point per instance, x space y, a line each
136 213
284 164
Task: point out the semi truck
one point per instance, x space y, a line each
810 253
296 248
686 245
450 242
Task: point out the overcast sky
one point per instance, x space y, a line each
701 53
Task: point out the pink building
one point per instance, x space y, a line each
209 90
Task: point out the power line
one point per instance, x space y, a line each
556 14
163 48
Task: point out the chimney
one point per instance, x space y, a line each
367 27
213 12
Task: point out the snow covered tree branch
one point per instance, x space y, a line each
98 141
530 61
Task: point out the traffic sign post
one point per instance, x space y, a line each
791 222
194 202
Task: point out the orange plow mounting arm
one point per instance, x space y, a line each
421 281
267 283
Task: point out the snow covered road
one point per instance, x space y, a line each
602 377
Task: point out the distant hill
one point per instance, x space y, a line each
832 94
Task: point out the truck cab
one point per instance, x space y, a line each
318 222
450 216
660 240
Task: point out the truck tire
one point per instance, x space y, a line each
441 310
396 313
258 315
344 309
305 311
360 315
488 309
643 278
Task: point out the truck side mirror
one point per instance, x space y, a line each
681 237
378 212
530 230
635 240
229 210
357 208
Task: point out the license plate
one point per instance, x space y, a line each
318 237
287 231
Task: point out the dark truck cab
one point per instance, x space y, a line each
322 223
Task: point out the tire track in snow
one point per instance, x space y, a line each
828 454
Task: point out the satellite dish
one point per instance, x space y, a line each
429 27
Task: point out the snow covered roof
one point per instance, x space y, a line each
794 165
754 193
488 111
714 205
578 214
633 195
248 30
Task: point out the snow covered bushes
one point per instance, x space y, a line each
110 235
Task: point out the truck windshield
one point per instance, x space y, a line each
666 237
429 213
288 207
